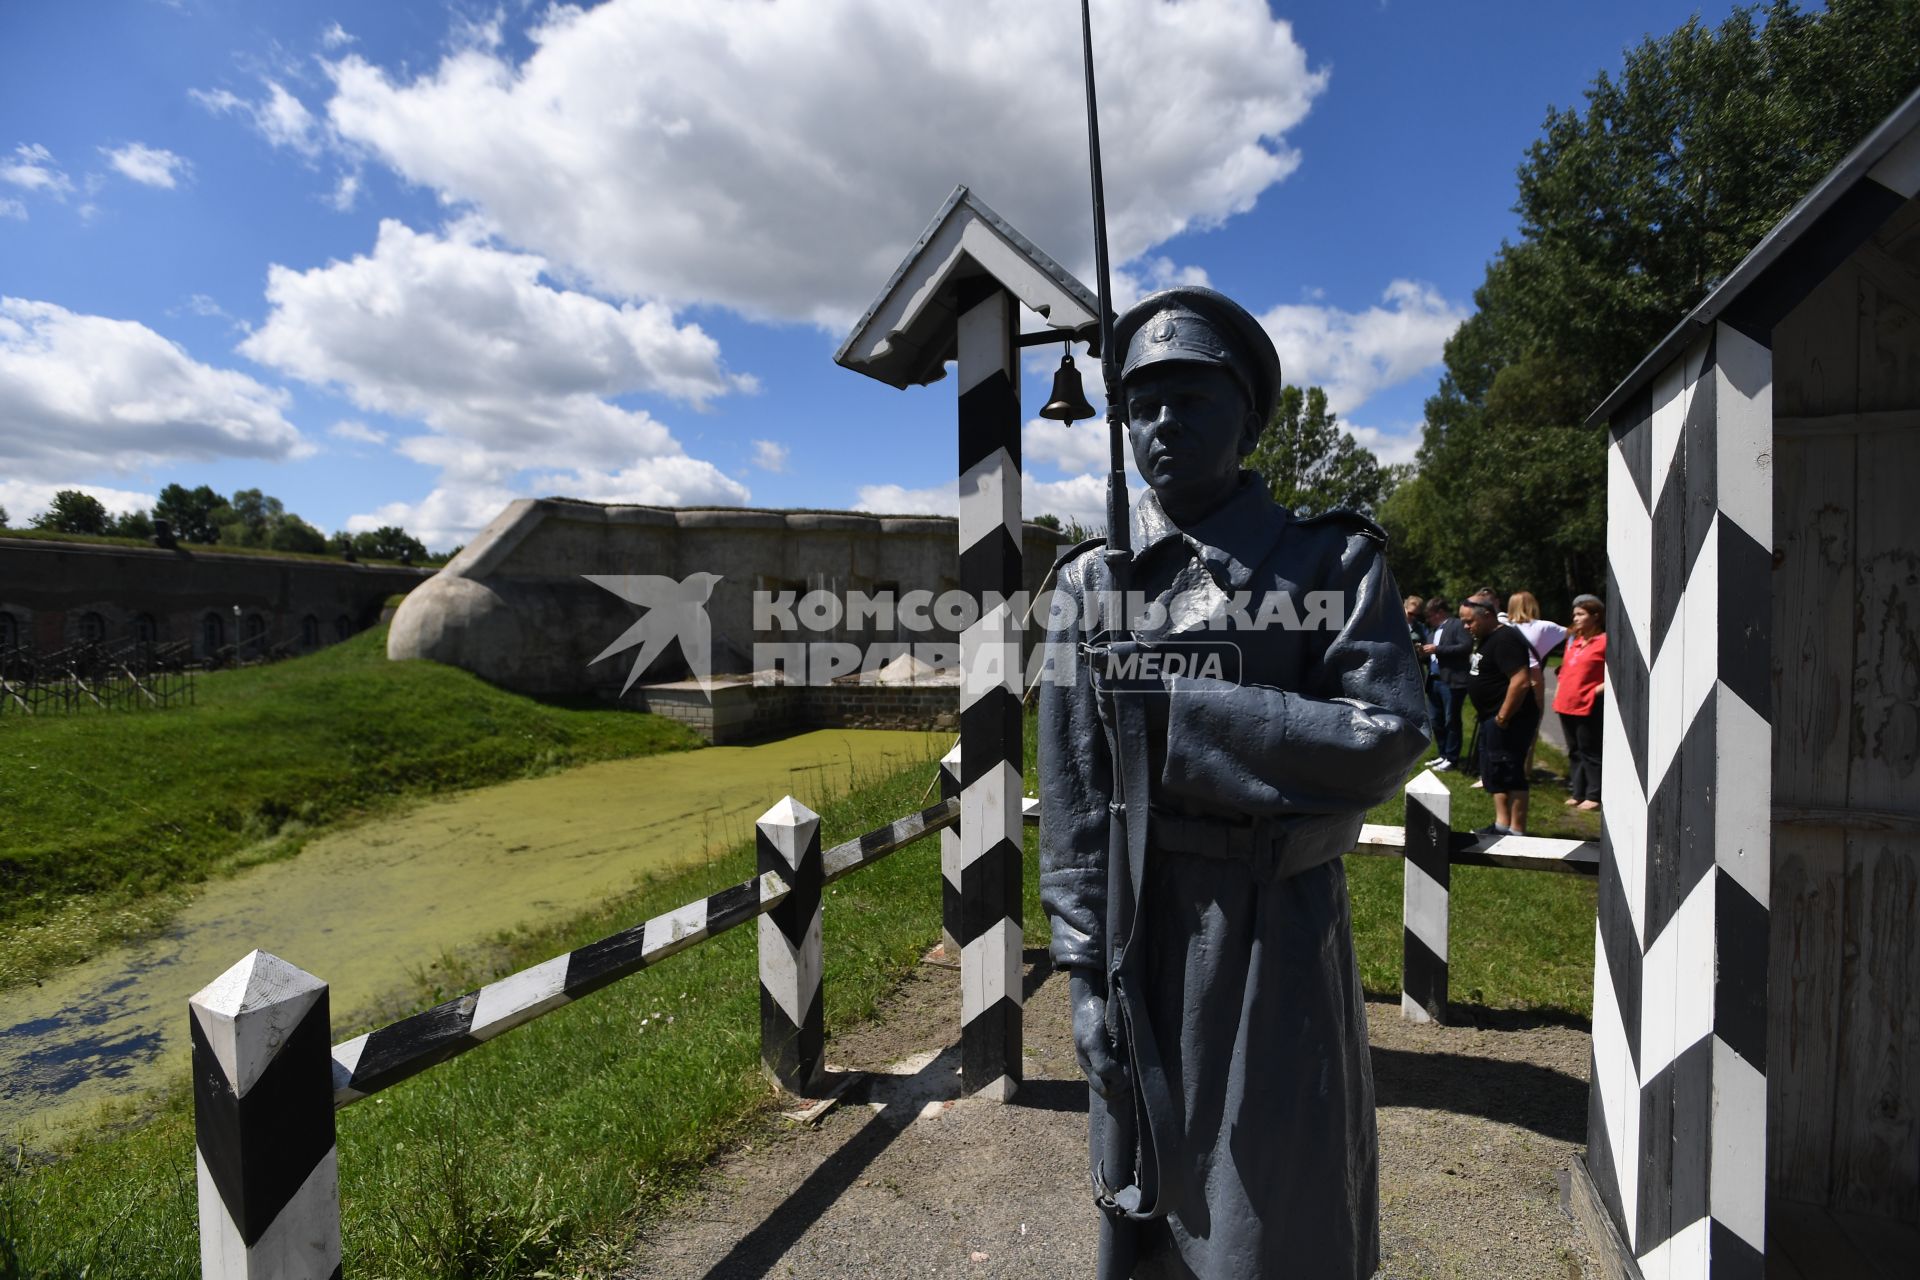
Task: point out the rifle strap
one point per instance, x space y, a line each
1156 1117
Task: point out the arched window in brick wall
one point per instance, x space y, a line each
146 629
9 631
93 628
309 632
213 635
254 632
343 628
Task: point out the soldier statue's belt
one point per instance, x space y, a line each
1210 837
1277 846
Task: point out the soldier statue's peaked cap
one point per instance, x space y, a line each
1197 325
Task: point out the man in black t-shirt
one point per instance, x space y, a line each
1501 691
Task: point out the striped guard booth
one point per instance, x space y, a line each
1677 1130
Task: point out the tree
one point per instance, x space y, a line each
1310 462
195 514
132 524
294 534
3 517
252 518
388 542
74 512
1631 209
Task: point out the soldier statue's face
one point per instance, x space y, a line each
1190 425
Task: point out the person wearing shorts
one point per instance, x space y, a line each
1501 690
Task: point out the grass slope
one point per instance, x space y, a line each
105 810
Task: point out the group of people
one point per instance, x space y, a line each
1496 659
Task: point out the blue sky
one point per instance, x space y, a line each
403 263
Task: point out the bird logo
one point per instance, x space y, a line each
676 610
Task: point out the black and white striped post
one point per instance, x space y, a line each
950 860
990 743
1424 908
792 1024
268 1172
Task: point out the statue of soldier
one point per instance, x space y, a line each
1241 1049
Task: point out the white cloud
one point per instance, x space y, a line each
12 209
358 432
624 147
444 518
510 374
461 334
32 169
897 500
1353 354
345 192
1081 497
201 304
149 166
1083 447
24 499
279 117
672 480
1136 281
83 394
770 456
1391 445
334 37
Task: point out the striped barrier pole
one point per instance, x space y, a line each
268 1171
990 740
1427 876
950 861
793 1034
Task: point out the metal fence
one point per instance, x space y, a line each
267 1078
134 675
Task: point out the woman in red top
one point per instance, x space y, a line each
1578 699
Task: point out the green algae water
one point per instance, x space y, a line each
365 907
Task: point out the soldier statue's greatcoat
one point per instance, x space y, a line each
1259 778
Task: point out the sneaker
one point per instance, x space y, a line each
1441 765
1493 831
1479 785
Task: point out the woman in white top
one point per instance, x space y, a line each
1543 637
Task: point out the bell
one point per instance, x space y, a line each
1069 401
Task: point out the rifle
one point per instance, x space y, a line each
1127 1180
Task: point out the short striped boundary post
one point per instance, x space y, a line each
990 743
950 860
793 1034
268 1171
1427 877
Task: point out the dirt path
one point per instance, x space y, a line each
367 906
903 1179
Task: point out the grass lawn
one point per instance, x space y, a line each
109 814
1517 939
544 1151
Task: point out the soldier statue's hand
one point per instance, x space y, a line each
1091 1044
